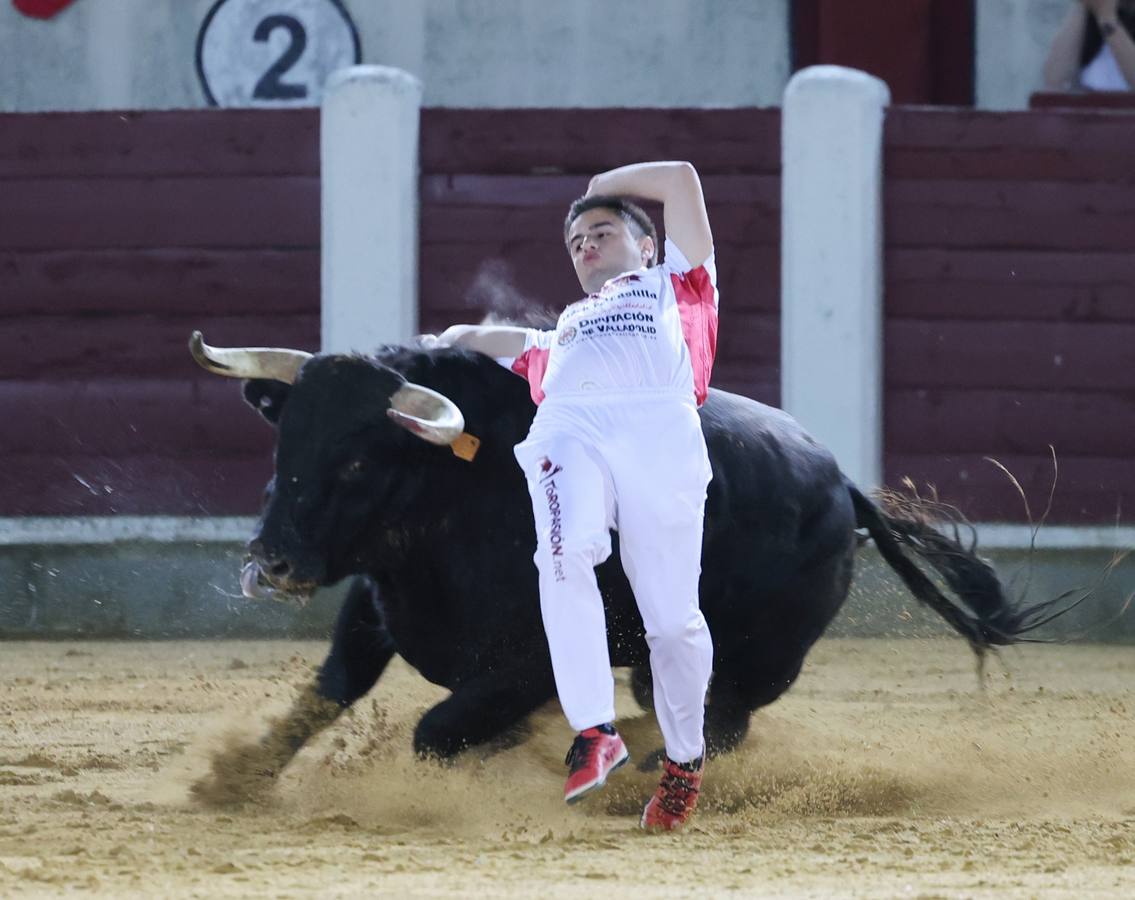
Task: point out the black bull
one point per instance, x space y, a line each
446 548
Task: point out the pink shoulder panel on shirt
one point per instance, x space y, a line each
697 306
532 364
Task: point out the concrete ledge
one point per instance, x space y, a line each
95 530
139 577
33 530
177 577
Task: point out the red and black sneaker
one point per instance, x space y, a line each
676 798
594 755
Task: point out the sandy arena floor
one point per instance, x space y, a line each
884 773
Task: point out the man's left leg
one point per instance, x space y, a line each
660 540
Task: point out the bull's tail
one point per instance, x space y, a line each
979 609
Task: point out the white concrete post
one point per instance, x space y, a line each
831 263
369 182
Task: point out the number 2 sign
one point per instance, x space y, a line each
273 52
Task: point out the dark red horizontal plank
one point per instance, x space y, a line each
979 145
1089 491
738 380
1099 100
1009 284
77 213
122 416
972 129
560 190
1012 162
497 274
552 191
743 224
155 346
463 282
1029 355
81 485
1001 421
586 141
1016 162
753 337
268 282
1001 214
210 142
1035 267
937 299
1101 198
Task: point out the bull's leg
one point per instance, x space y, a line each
753 671
726 715
481 710
642 686
360 649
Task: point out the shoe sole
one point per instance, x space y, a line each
594 786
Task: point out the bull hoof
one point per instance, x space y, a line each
245 773
239 775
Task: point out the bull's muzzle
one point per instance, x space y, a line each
255 584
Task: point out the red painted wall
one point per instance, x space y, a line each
120 234
1009 273
1010 308
923 49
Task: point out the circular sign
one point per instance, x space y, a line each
273 52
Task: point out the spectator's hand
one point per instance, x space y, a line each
428 341
1103 10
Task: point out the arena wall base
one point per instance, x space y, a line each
880 606
146 578
166 578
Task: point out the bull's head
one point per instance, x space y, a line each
337 457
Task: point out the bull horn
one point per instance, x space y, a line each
248 362
431 416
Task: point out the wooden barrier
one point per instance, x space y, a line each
1010 318
1008 285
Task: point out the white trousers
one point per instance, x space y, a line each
637 463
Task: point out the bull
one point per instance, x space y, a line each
398 469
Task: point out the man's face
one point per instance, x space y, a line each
602 246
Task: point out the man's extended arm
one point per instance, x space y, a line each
500 341
677 187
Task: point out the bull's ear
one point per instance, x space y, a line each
266 397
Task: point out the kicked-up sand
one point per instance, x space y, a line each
885 772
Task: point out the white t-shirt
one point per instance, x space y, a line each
650 329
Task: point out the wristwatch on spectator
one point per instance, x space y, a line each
1108 28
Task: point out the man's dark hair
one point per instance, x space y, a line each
634 215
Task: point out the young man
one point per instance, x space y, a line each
617 443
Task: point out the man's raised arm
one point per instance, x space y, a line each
677 187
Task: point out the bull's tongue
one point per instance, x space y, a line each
250 584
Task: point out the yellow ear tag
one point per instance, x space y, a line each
465 446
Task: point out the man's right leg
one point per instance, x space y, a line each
573 507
